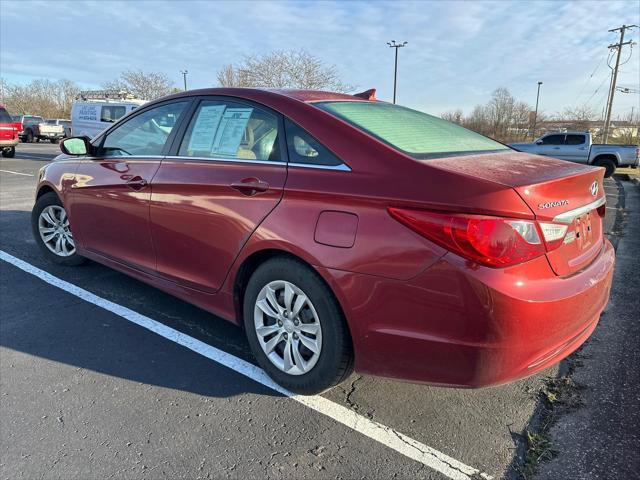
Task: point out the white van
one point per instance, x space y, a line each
90 115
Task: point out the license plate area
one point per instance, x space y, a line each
583 231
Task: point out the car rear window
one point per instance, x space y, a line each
414 133
4 116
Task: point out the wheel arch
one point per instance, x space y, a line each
257 258
44 189
605 156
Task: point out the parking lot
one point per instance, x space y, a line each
121 380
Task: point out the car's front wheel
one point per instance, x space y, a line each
295 327
52 231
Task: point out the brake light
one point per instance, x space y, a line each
490 241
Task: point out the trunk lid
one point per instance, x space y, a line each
556 191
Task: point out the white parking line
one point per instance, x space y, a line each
18 173
387 436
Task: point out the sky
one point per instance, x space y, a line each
458 52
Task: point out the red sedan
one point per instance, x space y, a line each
340 232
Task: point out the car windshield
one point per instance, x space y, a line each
414 133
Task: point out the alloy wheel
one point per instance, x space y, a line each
53 226
287 327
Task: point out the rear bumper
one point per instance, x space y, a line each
9 143
462 325
50 135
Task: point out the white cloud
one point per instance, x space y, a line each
458 52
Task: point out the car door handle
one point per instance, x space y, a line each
250 186
137 183
556 148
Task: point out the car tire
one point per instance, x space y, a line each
54 140
36 139
608 164
9 152
308 372
49 223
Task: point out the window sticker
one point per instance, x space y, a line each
231 131
204 130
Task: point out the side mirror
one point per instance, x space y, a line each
539 142
76 146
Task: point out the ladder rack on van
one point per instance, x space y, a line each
105 95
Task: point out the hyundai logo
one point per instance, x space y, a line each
594 188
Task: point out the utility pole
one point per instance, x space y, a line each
393 44
612 91
184 78
535 115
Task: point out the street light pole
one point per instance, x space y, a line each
393 44
184 77
535 115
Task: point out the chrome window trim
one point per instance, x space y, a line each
568 217
341 167
229 160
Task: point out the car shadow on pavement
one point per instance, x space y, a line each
41 320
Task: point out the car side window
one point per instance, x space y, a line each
553 140
304 149
144 134
575 140
231 130
111 113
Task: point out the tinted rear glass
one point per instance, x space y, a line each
4 116
415 133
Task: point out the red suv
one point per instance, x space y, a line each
340 231
9 131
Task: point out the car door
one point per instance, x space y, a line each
576 148
110 199
225 174
551 145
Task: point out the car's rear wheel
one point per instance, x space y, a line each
52 231
295 327
608 164
9 152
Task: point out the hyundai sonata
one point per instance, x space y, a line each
340 232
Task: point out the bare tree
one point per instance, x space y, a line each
453 116
578 118
503 117
283 69
143 85
52 99
629 129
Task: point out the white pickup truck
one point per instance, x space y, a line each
578 147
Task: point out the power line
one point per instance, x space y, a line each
584 85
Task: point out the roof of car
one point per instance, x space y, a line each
307 96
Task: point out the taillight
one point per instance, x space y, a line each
553 234
490 241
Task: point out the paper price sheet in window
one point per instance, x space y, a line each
219 130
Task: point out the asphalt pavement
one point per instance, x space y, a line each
86 393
